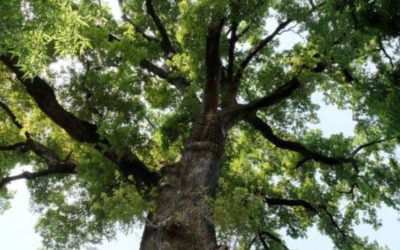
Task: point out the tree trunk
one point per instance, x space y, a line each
182 216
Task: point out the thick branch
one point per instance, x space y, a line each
213 66
280 94
127 164
165 43
348 77
61 169
44 96
291 203
227 82
179 82
131 166
231 50
283 91
55 165
267 132
47 154
20 146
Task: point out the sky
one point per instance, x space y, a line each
17 224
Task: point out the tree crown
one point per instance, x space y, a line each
99 131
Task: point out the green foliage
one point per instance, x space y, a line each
105 84
31 33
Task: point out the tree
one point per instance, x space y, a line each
187 116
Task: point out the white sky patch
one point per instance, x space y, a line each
332 120
17 224
114 8
61 69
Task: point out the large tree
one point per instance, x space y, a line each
189 117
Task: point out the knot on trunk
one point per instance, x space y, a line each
207 134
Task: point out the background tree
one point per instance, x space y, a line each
187 117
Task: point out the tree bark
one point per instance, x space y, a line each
182 218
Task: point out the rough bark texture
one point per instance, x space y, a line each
182 217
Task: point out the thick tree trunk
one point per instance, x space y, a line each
182 217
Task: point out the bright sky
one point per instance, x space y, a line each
17 224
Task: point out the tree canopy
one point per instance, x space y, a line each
102 132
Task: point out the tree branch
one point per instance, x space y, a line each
60 169
348 77
47 154
128 163
83 131
263 242
137 29
165 43
278 95
227 82
291 203
213 66
281 92
10 114
231 51
361 147
320 210
312 4
55 165
243 32
267 132
382 48
301 162
335 224
45 98
251 243
179 82
259 47
274 238
20 146
356 168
